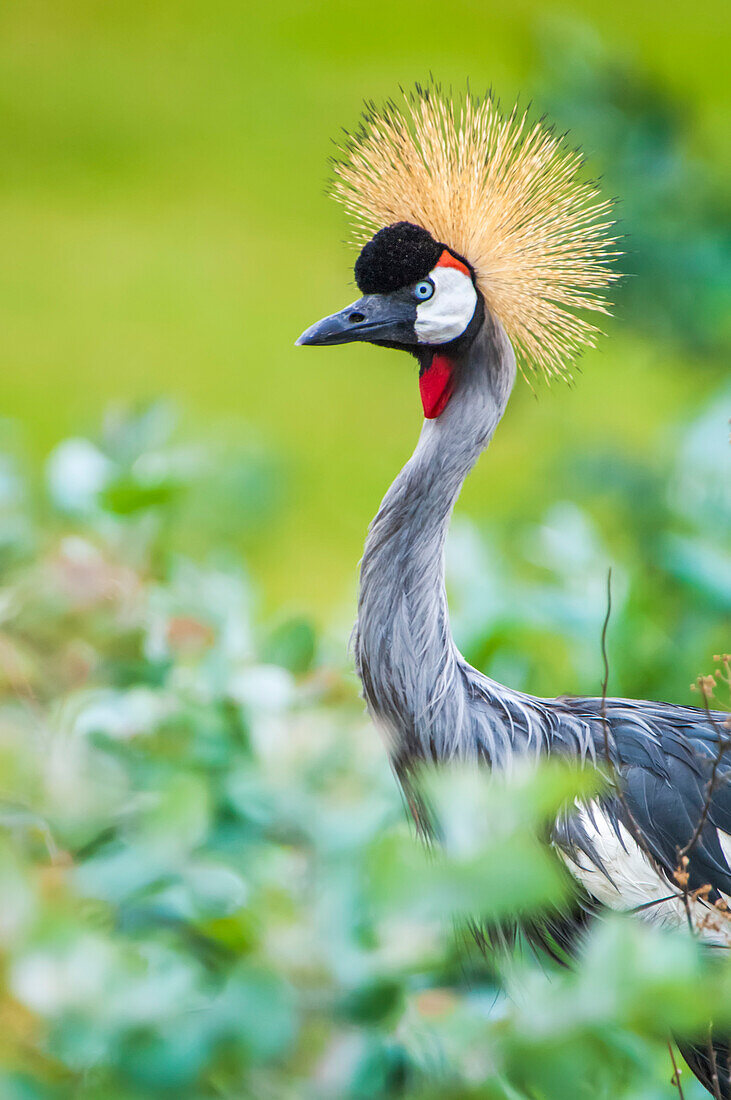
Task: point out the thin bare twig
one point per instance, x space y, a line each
637 833
631 823
605 628
714 1069
714 781
675 1079
724 744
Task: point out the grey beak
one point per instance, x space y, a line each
375 317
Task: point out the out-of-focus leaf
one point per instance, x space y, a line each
178 816
19 1086
125 495
19 902
374 1002
166 1057
703 566
385 1071
515 875
77 474
209 885
256 1008
291 645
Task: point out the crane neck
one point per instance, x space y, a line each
405 655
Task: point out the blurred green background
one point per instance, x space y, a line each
165 231
208 887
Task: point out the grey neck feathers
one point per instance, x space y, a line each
430 703
413 675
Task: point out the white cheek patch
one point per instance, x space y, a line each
450 309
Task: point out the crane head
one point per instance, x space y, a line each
415 292
417 295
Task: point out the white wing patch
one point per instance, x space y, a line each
631 881
446 315
725 841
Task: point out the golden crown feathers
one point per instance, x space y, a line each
501 191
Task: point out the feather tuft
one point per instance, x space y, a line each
503 192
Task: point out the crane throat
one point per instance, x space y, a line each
436 384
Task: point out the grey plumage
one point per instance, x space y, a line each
525 247
432 705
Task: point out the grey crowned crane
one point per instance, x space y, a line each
487 245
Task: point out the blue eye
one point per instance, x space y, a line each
424 290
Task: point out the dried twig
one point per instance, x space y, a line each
675 1079
714 1069
724 744
634 828
705 685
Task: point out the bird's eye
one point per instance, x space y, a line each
424 290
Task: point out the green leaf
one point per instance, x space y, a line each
291 645
375 1002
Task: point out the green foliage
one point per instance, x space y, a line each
166 231
209 887
673 213
528 602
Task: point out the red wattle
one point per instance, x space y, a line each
435 386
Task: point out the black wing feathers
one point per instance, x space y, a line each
664 755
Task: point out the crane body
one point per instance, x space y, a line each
659 841
432 705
